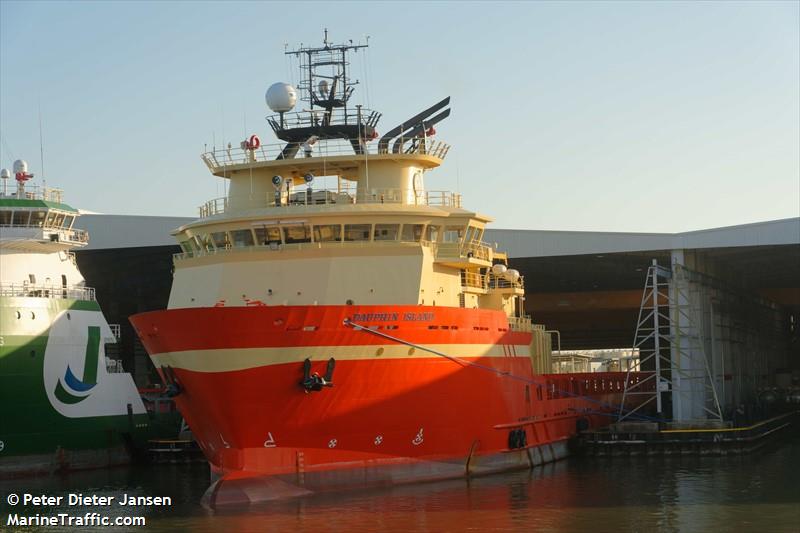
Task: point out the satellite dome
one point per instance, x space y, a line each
281 97
20 166
5 173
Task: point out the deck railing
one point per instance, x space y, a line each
36 192
488 281
516 323
27 290
219 158
340 196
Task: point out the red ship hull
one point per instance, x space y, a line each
396 412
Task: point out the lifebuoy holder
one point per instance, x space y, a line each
253 143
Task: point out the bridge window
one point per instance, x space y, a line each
242 237
268 235
37 218
203 242
386 232
328 233
412 232
5 218
432 233
297 234
21 218
453 234
220 239
51 217
59 220
68 220
357 232
473 235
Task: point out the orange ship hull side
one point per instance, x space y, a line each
386 419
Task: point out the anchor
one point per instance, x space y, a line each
314 382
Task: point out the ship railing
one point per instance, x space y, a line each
477 280
217 206
498 282
313 118
36 192
29 290
53 233
217 159
477 250
343 195
473 280
516 323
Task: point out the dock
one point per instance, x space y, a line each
646 438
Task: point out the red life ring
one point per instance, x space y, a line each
253 143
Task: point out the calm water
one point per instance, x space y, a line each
759 492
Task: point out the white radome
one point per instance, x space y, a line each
281 97
5 173
20 165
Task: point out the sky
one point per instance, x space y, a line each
597 116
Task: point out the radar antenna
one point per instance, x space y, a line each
327 89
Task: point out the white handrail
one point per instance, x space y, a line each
219 158
27 290
345 195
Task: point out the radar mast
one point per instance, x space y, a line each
327 89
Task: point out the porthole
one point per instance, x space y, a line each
69 317
33 315
19 315
379 351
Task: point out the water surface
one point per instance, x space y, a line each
758 492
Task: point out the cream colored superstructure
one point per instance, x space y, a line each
378 238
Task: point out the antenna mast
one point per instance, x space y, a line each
326 87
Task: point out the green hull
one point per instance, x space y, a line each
31 425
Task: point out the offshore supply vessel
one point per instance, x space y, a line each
333 323
63 404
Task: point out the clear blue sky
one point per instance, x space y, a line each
622 116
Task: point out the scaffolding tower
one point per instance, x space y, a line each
671 344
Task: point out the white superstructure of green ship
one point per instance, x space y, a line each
63 404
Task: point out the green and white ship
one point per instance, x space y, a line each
63 404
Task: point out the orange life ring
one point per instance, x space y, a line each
254 143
